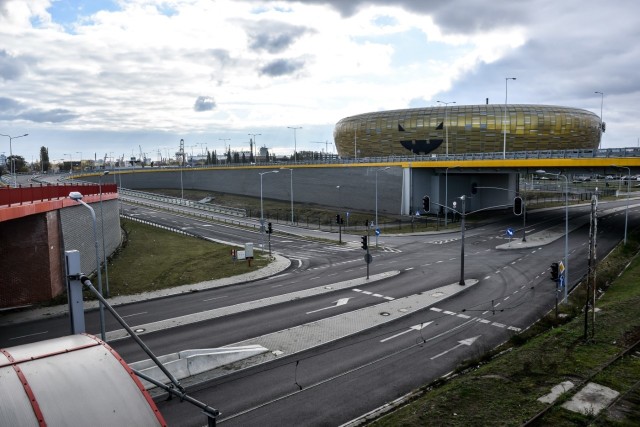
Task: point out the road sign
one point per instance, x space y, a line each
561 281
560 267
510 231
368 258
377 231
417 213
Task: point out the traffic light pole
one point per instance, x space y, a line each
368 254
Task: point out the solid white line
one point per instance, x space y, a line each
30 335
435 309
136 314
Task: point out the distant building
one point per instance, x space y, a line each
459 129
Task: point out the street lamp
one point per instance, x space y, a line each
70 162
181 167
446 126
376 230
261 206
601 102
504 120
254 144
295 154
13 169
290 170
446 193
104 253
77 196
566 228
626 214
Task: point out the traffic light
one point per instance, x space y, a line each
364 242
426 204
517 206
474 188
269 228
337 218
366 223
554 271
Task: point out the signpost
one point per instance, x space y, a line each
510 234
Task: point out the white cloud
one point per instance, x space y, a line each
146 67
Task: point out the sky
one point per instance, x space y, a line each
119 77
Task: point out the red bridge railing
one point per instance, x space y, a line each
41 193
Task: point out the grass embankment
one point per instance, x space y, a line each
152 259
503 387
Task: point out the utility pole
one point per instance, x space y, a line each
591 276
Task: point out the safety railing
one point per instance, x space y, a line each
40 193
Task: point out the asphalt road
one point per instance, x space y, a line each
335 381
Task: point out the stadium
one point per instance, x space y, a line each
458 129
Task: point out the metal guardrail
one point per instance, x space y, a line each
224 210
513 155
40 193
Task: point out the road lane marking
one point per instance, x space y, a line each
29 335
136 314
413 328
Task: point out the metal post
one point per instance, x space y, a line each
295 150
504 121
78 197
446 193
446 127
262 208
74 292
378 170
626 214
463 215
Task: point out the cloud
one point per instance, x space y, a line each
204 103
11 109
57 115
11 68
273 36
281 67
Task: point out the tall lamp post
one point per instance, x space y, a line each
504 119
77 196
601 102
80 152
446 193
181 167
376 230
295 150
261 206
626 213
255 148
290 170
13 169
566 228
446 125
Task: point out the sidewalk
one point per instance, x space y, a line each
280 264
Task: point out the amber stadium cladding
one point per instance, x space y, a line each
457 129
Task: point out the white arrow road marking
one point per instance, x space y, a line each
413 328
466 342
341 301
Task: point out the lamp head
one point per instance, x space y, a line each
75 195
541 172
105 173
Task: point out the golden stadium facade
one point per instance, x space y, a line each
457 129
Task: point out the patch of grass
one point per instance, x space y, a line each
154 259
504 391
